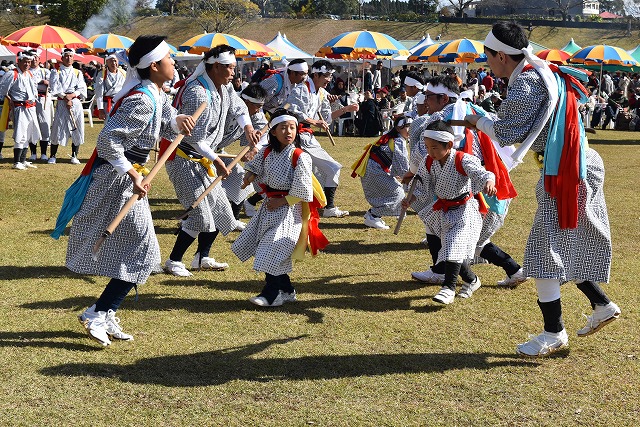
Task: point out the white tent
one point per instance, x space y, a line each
426 41
289 50
6 54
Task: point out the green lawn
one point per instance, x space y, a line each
365 345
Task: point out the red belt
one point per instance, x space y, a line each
26 104
272 193
445 204
108 101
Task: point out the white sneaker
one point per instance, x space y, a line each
445 296
543 344
52 160
514 280
249 209
44 157
240 225
75 161
469 288
334 212
602 315
32 158
207 263
29 165
262 301
425 242
374 222
113 327
19 166
95 325
428 276
176 268
289 297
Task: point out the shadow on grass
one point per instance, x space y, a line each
356 247
44 339
594 141
238 363
312 309
11 272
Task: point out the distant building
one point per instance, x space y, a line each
541 8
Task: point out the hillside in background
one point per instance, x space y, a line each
310 34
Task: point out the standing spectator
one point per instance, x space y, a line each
367 78
377 76
487 81
261 73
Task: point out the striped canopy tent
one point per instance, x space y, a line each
424 42
204 42
47 36
424 53
459 51
109 42
556 56
51 53
258 50
571 47
362 45
635 53
601 55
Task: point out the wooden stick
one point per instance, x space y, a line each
215 182
403 213
333 142
459 123
147 179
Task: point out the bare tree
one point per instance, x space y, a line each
218 15
458 6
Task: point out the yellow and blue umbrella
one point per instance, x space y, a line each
362 44
424 53
556 56
109 42
204 42
259 50
460 50
602 54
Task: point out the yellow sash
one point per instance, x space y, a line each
203 161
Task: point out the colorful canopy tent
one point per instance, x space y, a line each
287 49
203 42
7 54
47 36
109 42
362 44
258 50
556 56
601 55
459 50
571 47
424 53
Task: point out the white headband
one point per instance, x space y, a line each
133 78
250 99
284 118
112 56
154 56
404 121
25 55
322 70
420 98
301 66
224 58
441 90
438 135
467 94
409 81
494 44
68 51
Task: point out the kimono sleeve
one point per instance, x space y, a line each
302 184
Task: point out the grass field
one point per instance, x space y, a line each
364 346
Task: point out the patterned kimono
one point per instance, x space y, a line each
44 105
233 183
271 236
306 102
21 89
132 251
278 88
189 177
458 227
582 253
381 189
61 82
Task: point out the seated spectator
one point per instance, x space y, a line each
491 103
616 102
369 121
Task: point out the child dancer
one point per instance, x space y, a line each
132 251
379 167
454 217
284 173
